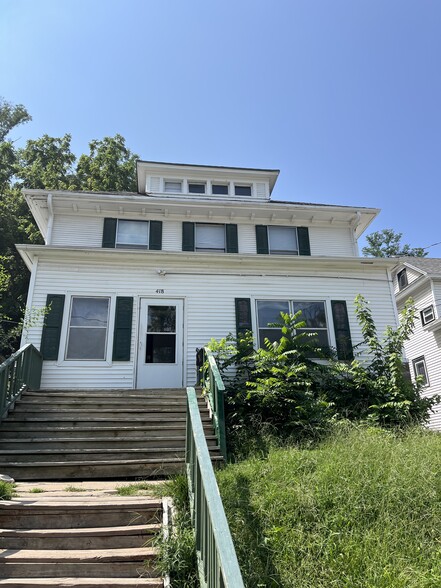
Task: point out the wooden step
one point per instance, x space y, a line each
82 582
7 431
96 443
89 512
79 538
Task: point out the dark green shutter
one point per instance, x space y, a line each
187 236
303 236
122 334
109 232
342 330
243 315
50 337
155 235
262 239
232 242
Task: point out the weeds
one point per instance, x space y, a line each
7 490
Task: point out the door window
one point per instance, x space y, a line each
161 334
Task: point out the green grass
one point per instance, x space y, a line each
36 490
74 489
362 510
138 488
7 490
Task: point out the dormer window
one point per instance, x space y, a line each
172 186
402 279
196 187
427 315
242 190
219 189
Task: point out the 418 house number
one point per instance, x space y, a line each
159 291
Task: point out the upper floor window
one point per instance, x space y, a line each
209 237
402 279
132 234
427 315
420 369
87 330
313 314
196 187
242 190
279 240
219 189
172 186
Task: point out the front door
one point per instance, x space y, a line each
160 349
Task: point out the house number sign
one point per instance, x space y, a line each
159 291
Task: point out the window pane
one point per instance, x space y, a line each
320 338
89 312
219 189
132 233
210 237
172 186
269 311
282 240
160 349
161 319
196 188
242 190
313 313
86 343
271 334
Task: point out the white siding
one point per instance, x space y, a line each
428 344
331 241
437 298
172 236
412 275
208 305
77 231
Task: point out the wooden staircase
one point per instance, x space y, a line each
79 541
98 434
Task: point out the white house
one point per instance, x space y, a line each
420 279
136 282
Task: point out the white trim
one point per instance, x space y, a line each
30 296
50 224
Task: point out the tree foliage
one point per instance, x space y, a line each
44 163
387 243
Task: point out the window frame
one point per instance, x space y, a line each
208 250
401 278
170 181
220 184
291 301
421 360
197 183
282 252
240 185
109 329
424 320
128 245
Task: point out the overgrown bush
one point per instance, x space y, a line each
287 385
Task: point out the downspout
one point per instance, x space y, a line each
354 225
50 224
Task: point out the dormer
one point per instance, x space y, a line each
204 182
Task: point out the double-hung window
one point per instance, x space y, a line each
427 315
132 234
87 329
283 240
313 314
420 369
210 237
173 186
402 279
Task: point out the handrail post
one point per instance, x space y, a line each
216 398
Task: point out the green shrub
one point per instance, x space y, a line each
7 490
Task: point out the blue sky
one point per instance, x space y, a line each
343 96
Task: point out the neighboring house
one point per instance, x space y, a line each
136 282
419 278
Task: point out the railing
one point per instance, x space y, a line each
214 387
217 560
20 371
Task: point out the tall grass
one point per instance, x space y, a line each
361 510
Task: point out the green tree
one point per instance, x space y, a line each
110 166
47 163
11 116
387 243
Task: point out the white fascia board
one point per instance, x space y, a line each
198 260
38 206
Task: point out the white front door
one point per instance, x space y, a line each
160 348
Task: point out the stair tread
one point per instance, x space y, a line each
140 502
85 582
145 529
95 439
77 555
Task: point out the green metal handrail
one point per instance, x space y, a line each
214 388
20 371
217 560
